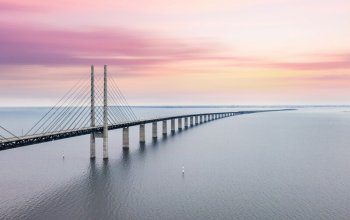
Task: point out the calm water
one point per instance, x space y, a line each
279 165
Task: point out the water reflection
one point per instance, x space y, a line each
247 172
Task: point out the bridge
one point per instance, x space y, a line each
94 108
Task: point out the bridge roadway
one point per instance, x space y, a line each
10 143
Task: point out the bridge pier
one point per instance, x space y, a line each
92 116
165 129
191 121
186 122
179 124
126 138
105 115
196 119
154 131
205 118
142 134
172 121
201 119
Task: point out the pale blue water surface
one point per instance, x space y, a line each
278 165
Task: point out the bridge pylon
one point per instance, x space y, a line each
92 115
105 114
104 134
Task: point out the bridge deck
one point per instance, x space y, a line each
47 137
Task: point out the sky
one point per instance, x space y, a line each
184 52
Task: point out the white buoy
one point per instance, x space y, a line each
63 156
183 170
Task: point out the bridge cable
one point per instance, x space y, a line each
124 100
66 109
65 95
123 108
63 112
8 131
73 114
56 109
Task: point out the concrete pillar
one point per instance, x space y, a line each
196 119
126 138
191 121
105 115
165 128
205 118
92 115
142 134
179 123
172 126
186 122
201 119
154 130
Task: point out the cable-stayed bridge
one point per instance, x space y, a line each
94 107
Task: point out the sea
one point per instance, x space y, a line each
271 165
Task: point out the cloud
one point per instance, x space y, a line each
131 50
325 77
18 7
125 5
312 66
26 45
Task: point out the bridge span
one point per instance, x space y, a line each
77 114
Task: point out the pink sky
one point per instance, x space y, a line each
178 52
